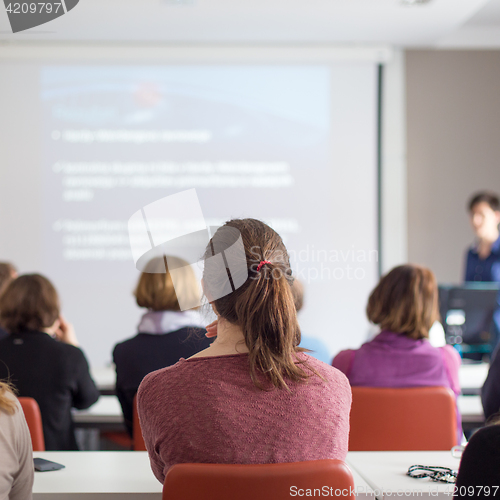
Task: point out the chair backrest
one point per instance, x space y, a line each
262 482
138 440
34 419
417 418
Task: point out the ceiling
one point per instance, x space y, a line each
439 23
482 30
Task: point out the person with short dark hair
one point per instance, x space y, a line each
254 396
404 305
483 264
483 257
41 357
479 472
165 333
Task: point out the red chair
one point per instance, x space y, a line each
34 419
257 482
138 440
119 438
417 418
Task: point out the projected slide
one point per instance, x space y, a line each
86 146
247 138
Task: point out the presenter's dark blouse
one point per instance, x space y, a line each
488 269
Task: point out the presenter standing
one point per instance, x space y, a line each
483 258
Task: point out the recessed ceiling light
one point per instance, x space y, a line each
178 2
415 2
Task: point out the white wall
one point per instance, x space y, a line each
394 237
453 124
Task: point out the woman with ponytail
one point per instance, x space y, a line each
253 396
16 455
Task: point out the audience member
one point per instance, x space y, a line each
483 258
165 333
479 472
490 393
404 305
41 357
253 396
7 273
16 455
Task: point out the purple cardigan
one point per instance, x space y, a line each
395 360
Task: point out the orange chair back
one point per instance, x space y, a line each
262 482
417 418
138 440
34 419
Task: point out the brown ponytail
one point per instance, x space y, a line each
263 306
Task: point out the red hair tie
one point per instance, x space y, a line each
262 262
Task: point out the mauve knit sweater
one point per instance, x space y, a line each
207 410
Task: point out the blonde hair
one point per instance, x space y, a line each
155 289
6 402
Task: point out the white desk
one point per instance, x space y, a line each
97 475
107 410
471 409
472 377
104 378
104 416
385 472
362 488
110 475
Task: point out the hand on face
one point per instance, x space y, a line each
65 332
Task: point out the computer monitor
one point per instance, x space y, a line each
467 316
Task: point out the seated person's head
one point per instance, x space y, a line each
257 297
155 289
405 301
7 274
30 302
484 211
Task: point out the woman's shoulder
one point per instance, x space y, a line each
7 394
57 353
140 338
128 343
486 434
168 376
9 418
330 373
450 356
343 360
